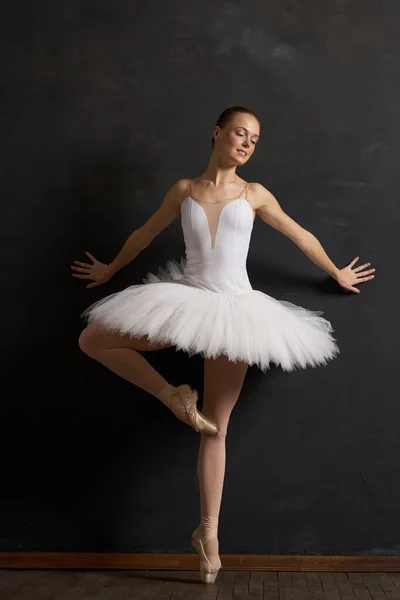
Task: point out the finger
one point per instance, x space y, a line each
80 269
353 261
365 278
91 256
353 289
368 272
361 267
82 264
81 276
91 285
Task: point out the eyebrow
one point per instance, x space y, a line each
245 128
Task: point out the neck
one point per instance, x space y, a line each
219 172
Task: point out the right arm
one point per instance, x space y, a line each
169 209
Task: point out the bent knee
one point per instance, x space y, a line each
89 340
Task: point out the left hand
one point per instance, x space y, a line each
347 276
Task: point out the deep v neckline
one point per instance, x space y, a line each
213 242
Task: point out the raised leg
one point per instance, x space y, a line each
121 354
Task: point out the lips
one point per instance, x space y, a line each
242 152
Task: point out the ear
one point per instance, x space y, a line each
216 129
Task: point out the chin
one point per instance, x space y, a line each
239 160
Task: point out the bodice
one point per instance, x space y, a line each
217 238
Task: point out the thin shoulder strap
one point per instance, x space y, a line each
242 195
189 187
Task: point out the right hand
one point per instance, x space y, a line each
99 272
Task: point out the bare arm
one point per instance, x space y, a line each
142 237
270 211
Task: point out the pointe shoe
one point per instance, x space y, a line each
183 403
208 573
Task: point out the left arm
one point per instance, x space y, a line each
270 211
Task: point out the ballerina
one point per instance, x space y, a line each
206 305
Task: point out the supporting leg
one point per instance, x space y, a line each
223 381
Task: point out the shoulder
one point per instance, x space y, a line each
259 195
177 193
182 186
181 189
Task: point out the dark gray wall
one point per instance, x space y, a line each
104 106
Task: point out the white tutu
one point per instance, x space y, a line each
251 326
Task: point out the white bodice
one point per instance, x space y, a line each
217 238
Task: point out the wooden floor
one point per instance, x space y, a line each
186 585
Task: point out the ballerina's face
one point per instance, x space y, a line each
238 138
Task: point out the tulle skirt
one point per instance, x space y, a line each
252 327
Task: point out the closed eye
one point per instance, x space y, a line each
241 135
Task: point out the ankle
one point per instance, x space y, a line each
209 527
208 531
165 393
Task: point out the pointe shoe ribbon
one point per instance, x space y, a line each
208 573
183 403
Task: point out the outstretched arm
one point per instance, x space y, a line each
142 237
271 212
169 209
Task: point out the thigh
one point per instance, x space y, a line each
223 381
97 336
